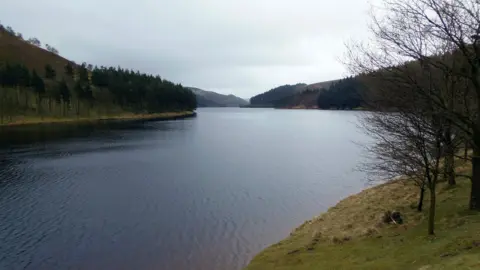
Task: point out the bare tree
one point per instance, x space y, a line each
407 144
51 49
10 30
34 41
441 37
408 131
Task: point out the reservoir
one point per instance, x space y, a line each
207 192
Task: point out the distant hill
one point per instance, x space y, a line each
271 97
344 94
213 99
290 96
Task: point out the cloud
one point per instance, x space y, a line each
241 47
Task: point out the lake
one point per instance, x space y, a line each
202 193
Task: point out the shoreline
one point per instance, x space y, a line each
352 234
128 117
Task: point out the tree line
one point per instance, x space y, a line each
81 92
420 73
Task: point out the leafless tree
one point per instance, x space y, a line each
441 38
51 49
408 131
34 41
10 30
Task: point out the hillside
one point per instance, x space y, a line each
303 100
320 85
271 97
14 50
37 84
213 99
291 96
351 235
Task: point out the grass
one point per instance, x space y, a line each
33 120
351 235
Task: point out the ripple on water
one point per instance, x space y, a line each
205 193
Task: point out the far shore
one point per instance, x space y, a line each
127 117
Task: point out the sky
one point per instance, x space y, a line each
240 47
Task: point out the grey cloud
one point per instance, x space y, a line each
241 47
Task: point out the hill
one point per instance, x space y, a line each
291 96
15 50
271 97
213 99
303 100
37 84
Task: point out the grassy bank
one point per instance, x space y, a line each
351 234
35 120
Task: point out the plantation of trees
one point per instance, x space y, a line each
69 90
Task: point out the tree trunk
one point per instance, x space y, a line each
26 100
420 200
17 95
449 160
475 190
465 153
449 169
474 203
431 214
39 106
2 105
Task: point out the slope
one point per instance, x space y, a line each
213 99
351 235
291 96
306 98
16 51
273 96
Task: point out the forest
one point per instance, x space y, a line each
275 96
346 94
37 82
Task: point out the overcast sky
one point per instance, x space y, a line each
243 47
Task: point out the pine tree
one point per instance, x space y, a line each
38 84
64 91
69 69
50 73
39 88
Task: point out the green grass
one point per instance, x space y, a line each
351 236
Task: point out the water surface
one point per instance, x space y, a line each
203 193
